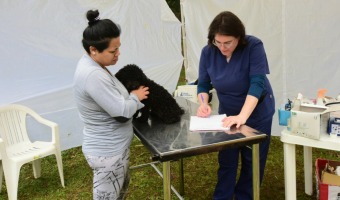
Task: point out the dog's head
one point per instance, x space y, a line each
132 77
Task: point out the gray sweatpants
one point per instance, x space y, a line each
110 176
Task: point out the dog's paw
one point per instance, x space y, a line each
121 119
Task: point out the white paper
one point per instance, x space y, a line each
211 123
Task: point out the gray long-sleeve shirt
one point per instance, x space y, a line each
100 97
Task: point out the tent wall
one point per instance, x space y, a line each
41 44
300 39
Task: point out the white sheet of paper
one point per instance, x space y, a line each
211 123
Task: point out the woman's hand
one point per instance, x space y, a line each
231 120
142 92
203 110
240 119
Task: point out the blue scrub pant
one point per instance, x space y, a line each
227 188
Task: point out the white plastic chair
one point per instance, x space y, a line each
187 91
16 148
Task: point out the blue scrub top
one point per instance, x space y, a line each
232 80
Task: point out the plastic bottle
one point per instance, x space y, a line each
297 102
321 95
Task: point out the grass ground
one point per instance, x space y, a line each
199 176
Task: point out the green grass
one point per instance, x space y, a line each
199 176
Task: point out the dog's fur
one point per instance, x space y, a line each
159 103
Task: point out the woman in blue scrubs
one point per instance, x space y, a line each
235 64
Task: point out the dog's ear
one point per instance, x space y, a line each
132 85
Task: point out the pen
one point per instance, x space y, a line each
205 112
202 98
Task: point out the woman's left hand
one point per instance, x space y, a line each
231 120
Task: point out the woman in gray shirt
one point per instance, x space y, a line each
100 97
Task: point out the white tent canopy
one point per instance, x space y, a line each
301 39
41 44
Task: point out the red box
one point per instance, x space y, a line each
325 191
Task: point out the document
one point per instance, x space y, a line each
211 123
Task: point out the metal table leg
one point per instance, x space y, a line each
181 177
166 180
256 172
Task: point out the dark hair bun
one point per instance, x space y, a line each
92 16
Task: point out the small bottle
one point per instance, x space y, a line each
296 104
289 125
321 95
319 101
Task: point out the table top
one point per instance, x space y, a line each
173 141
325 141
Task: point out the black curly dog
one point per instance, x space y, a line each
159 103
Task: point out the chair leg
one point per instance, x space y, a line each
12 172
1 175
36 164
60 167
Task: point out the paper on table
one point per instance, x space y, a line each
212 123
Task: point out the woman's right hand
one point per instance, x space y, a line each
203 110
142 92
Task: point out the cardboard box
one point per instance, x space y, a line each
308 120
330 179
327 177
325 191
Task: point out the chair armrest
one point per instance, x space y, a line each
54 126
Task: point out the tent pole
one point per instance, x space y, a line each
184 41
